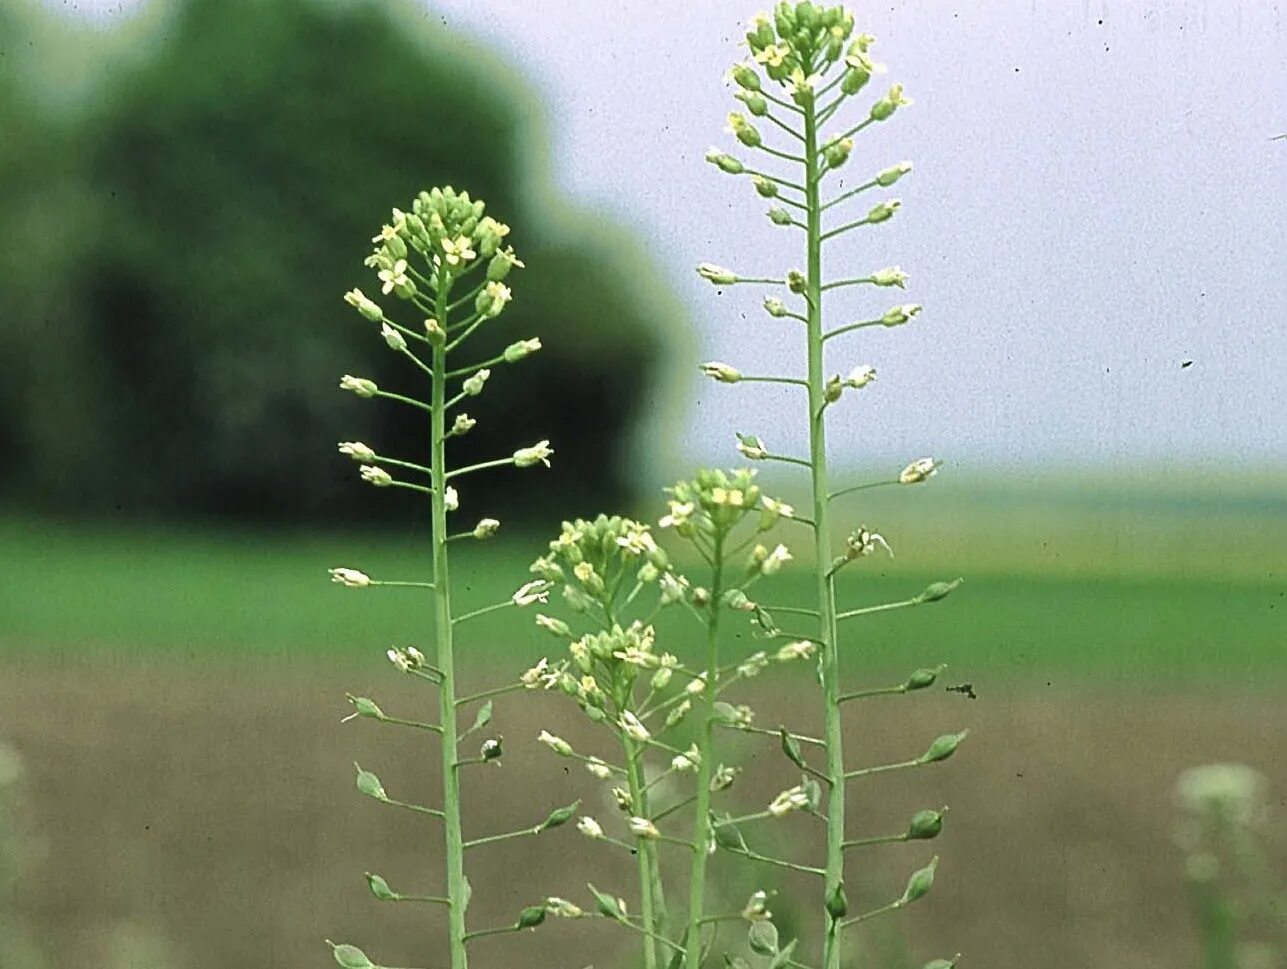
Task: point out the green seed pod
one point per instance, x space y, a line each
766 188
796 281
380 888
921 679
938 590
837 153
729 838
755 103
531 917
745 77
725 163
892 174
560 816
365 707
762 937
351 957
941 964
854 80
920 882
925 825
943 747
369 784
837 902
779 216
883 211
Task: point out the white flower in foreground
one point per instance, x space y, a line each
367 307
680 512
860 377
538 590
590 828
721 372
458 250
486 528
598 768
633 727
919 470
538 453
688 760
350 577
463 424
394 277
522 349
393 338
792 799
779 557
556 744
716 274
377 476
474 385
357 451
541 675
696 686
450 498
417 658
358 385
399 659
801 649
757 908
890 276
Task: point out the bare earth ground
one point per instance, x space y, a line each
201 818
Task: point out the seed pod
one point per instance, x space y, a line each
943 747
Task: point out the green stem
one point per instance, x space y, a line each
646 856
453 835
705 768
822 540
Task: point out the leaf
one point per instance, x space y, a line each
791 748
763 938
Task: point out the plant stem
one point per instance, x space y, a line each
705 769
453 836
646 853
822 539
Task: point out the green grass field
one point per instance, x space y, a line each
1095 582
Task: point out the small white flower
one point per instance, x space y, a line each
486 528
779 557
357 451
680 711
716 274
696 686
522 349
366 306
539 675
399 659
590 828
350 577
450 498
633 727
538 590
634 656
919 470
561 908
751 447
860 377
723 778
394 277
672 588
801 649
598 768
752 665
721 372
757 908
773 55
358 385
387 233
643 828
898 315
393 338
556 744
680 512
538 453
688 760
863 542
890 276
792 799
493 299
775 507
417 658
551 625
377 476
463 424
457 250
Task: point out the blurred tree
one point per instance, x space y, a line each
181 341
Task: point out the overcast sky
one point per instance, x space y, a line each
1096 200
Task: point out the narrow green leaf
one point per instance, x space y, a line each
783 958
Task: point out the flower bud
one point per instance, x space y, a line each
751 447
943 747
538 453
716 274
836 153
463 424
367 307
938 590
473 386
357 451
796 281
643 828
523 348
556 744
922 469
745 77
377 476
920 882
860 377
369 784
744 131
433 329
556 627
590 828
833 388
380 888
855 78
779 216
351 578
883 211
890 103
775 307
890 276
892 174
721 372
921 679
898 315
724 162
530 917
764 186
755 103
358 385
393 338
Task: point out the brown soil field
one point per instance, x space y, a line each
203 817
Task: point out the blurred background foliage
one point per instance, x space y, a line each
179 234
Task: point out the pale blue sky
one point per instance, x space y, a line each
1096 199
